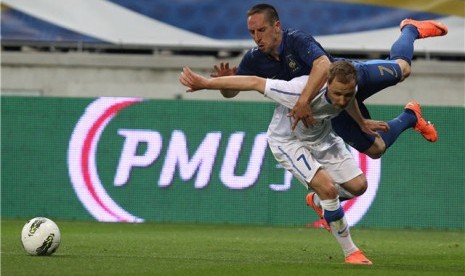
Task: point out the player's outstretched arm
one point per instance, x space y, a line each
196 82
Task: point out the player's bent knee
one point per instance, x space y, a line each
405 68
357 186
377 149
375 155
405 73
360 186
323 185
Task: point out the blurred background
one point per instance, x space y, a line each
64 141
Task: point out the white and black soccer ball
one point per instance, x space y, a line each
40 236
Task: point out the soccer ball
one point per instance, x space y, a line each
40 236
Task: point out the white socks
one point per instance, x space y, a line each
334 215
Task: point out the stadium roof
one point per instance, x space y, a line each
106 22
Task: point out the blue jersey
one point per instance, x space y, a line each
296 55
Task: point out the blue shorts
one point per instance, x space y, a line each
373 76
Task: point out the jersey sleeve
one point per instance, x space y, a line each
308 48
246 66
285 92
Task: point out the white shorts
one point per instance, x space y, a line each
304 160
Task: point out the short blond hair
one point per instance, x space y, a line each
343 71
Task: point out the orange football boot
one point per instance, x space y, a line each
426 28
318 211
357 258
426 128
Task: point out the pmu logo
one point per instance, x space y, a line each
87 184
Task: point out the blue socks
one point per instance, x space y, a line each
405 120
331 216
403 47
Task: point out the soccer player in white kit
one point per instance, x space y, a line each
316 156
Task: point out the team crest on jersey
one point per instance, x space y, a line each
293 65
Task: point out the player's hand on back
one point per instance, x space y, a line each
302 112
372 126
223 70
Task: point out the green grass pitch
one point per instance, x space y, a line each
91 248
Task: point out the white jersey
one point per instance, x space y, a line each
304 150
286 93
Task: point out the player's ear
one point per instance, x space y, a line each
277 25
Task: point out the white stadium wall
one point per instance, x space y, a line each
437 83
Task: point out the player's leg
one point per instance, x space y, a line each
345 127
350 132
374 147
338 166
296 158
376 75
375 78
334 215
411 117
341 166
354 187
402 49
404 121
411 30
346 191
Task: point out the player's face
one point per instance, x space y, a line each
266 35
340 93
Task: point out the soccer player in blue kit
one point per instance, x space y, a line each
285 54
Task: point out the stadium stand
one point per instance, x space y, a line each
145 43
